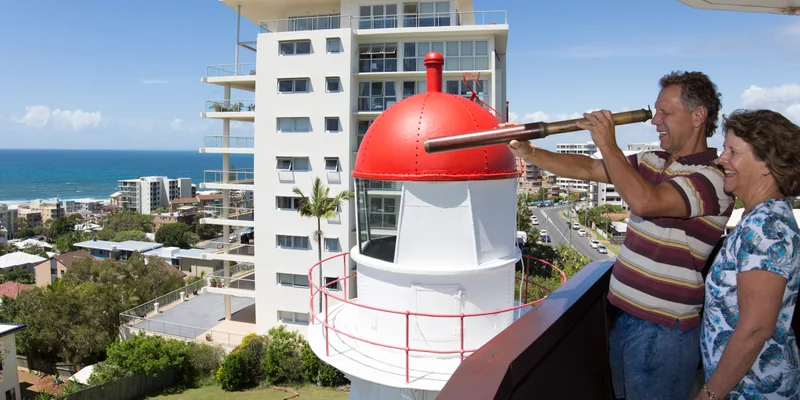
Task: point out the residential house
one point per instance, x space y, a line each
12 289
9 384
49 270
102 249
19 261
188 261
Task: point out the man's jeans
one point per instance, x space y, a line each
651 361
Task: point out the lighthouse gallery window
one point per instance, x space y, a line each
378 207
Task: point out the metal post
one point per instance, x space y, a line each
226 200
238 30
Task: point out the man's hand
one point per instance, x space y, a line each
601 126
519 149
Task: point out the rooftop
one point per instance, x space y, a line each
12 289
7 329
128 245
66 259
19 258
177 252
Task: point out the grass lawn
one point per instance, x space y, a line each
216 393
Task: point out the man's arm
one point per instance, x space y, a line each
644 198
574 166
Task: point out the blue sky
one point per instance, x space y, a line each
126 75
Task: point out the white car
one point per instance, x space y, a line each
576 226
594 243
582 232
535 221
602 249
543 232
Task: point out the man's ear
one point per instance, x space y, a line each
699 116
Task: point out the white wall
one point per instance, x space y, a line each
10 379
316 145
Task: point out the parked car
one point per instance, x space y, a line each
594 243
602 249
545 238
576 226
582 232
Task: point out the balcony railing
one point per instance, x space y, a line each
310 23
233 142
230 70
231 105
219 211
557 350
234 248
417 20
241 176
231 283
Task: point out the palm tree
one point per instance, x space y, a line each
319 205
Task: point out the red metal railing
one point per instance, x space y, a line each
315 289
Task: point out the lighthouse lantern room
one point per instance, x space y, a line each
436 251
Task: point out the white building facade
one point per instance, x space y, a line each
574 185
147 193
9 384
324 71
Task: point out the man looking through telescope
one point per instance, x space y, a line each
678 213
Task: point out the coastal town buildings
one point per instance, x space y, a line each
323 72
148 193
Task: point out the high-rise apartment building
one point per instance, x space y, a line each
148 193
323 72
574 185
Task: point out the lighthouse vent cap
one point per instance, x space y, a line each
393 147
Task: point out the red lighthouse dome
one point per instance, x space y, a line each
393 147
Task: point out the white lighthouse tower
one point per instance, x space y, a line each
436 251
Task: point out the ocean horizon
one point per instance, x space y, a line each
29 174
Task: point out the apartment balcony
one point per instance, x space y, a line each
442 24
234 179
238 76
228 145
309 23
226 251
237 110
242 284
236 216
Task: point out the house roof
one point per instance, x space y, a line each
66 259
33 242
209 197
128 245
19 258
184 200
12 289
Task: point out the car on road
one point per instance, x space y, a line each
543 232
602 249
581 232
534 221
545 238
576 226
594 243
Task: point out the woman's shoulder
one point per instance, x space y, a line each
770 238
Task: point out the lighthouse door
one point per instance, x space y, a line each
436 299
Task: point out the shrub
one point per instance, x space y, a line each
331 377
232 375
244 365
282 363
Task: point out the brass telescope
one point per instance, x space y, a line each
529 131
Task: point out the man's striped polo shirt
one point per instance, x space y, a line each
657 276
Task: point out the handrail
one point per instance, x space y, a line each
314 289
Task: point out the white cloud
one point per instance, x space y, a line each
154 81
40 116
176 124
784 99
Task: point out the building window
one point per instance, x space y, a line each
289 317
411 88
334 45
294 47
481 87
295 124
333 84
363 126
376 96
377 17
377 57
426 14
332 286
414 54
292 242
292 164
287 203
302 85
332 245
332 124
466 55
331 164
293 280
383 212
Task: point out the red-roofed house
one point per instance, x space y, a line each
12 289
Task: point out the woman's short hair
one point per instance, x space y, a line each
774 139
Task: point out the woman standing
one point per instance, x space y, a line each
748 346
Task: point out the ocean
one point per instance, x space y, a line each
26 175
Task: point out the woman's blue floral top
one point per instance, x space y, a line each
767 238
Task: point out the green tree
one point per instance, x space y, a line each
319 205
523 215
176 234
62 226
126 220
130 235
66 242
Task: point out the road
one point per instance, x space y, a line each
556 226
